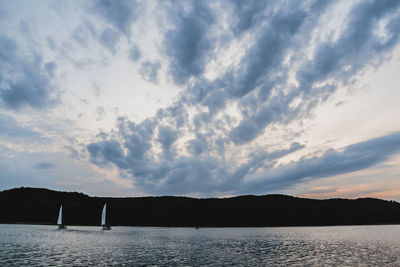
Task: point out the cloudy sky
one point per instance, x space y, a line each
201 98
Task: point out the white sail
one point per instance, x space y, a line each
103 215
59 221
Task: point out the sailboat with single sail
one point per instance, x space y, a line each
103 219
61 226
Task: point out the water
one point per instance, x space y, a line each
156 246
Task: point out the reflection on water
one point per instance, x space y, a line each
127 246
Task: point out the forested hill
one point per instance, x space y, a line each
34 205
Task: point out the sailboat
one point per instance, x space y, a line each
59 221
103 219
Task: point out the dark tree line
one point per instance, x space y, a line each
40 206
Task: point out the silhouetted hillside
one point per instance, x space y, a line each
33 205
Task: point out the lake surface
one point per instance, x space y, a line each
158 246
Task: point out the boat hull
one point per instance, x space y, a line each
106 227
62 227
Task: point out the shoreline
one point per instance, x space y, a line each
200 227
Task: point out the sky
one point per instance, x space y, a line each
201 98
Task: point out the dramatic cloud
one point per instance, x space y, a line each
353 158
206 98
278 79
340 59
172 173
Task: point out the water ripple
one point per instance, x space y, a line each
153 246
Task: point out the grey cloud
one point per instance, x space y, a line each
187 44
81 34
73 152
248 129
44 165
257 160
353 158
131 152
134 53
3 13
197 145
109 38
177 177
120 14
340 60
167 136
102 135
50 68
252 125
220 145
187 175
149 71
280 153
247 14
25 28
200 120
119 17
100 113
50 43
340 103
260 89
215 101
136 138
11 129
96 88
356 46
245 132
273 38
257 70
262 60
181 175
9 47
269 50
177 112
32 87
106 151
